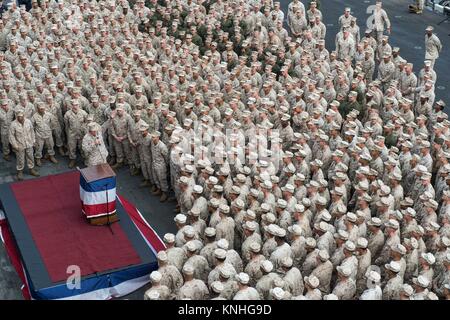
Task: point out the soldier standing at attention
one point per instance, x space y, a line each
380 19
433 46
74 120
345 44
43 123
133 136
22 139
145 156
346 18
160 159
119 129
6 118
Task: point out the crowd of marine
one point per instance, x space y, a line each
297 172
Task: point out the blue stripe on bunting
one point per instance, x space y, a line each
99 185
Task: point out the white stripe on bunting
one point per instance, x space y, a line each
99 197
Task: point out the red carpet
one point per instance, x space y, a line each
73 241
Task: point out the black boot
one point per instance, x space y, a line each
34 173
134 171
72 164
61 151
163 197
118 165
112 161
53 159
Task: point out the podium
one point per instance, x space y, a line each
98 194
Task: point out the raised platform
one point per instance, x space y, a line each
48 235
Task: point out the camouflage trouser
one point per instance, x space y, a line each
432 61
110 143
108 138
58 133
361 285
4 137
160 174
72 144
174 183
135 159
122 150
147 172
21 156
417 7
421 4
40 143
379 35
368 74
